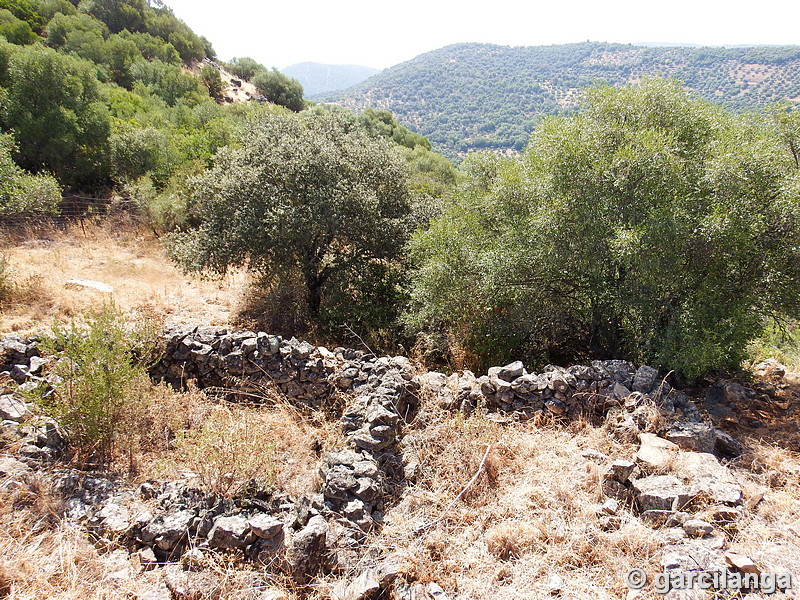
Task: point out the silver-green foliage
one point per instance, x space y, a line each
652 225
310 197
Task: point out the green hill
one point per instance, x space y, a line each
472 96
317 78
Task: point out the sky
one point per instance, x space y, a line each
377 34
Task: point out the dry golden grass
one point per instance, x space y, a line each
223 445
120 254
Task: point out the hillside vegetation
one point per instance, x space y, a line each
483 96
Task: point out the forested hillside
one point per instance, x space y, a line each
473 96
121 99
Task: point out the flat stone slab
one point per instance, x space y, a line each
655 451
661 492
84 284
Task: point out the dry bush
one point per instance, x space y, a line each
512 539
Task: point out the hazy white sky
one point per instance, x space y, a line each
380 35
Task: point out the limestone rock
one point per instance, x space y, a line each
230 533
266 526
660 492
84 284
655 451
697 528
620 470
306 549
697 437
741 563
13 409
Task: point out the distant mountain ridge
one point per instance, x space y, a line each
472 96
317 78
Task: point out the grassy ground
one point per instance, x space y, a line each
40 261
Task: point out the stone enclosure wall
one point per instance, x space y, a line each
376 398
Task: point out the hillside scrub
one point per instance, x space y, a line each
21 193
651 226
468 97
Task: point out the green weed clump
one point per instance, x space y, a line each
103 362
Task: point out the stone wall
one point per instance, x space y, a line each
376 398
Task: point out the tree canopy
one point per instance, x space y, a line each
311 197
652 225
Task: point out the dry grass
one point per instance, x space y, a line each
127 258
224 445
534 515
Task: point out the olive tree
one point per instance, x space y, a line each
651 225
309 197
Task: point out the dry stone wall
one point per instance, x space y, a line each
376 398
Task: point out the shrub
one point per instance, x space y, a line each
102 365
651 226
307 198
23 193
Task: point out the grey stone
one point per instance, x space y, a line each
266 526
114 518
230 533
769 369
614 489
727 445
13 409
167 532
660 492
645 379
146 557
610 507
697 528
511 371
305 553
620 470
153 591
697 437
708 478
656 518
655 451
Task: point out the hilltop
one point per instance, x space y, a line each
482 96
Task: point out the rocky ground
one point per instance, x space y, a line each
506 485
